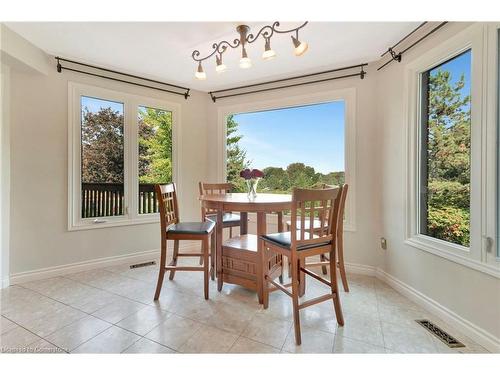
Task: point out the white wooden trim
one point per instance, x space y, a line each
347 95
65 269
473 38
468 328
131 103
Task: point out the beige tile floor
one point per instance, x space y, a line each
111 310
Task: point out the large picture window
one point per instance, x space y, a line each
269 135
445 151
273 141
121 145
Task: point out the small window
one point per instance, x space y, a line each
155 155
102 158
445 151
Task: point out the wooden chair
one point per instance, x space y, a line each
173 229
340 238
303 242
229 219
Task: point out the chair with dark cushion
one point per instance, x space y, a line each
340 238
229 219
301 242
173 229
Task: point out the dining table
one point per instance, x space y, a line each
261 204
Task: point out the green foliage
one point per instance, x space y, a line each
155 146
449 224
102 146
236 157
448 152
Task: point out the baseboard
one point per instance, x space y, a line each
5 283
45 273
468 328
360 269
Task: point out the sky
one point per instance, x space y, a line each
95 104
313 135
457 66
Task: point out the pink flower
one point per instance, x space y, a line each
255 173
246 174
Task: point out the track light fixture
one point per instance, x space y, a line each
300 47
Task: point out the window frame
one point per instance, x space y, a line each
131 104
474 256
348 95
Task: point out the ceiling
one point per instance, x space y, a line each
162 50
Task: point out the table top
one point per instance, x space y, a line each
241 202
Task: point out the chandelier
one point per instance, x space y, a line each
245 38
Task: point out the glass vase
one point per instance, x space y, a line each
252 187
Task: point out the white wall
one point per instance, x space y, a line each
473 295
39 165
4 175
362 245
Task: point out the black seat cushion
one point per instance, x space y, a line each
284 240
227 218
203 227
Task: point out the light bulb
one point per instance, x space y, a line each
268 52
200 74
220 67
300 47
245 63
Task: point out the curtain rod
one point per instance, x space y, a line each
397 56
60 68
361 74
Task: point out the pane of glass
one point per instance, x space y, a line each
155 155
445 151
273 142
102 166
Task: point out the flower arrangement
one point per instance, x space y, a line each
252 178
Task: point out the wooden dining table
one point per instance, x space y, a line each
262 205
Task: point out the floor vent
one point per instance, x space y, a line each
440 334
145 264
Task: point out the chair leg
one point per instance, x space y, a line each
295 301
206 262
302 277
335 288
161 273
340 252
265 282
322 258
174 260
212 256
282 270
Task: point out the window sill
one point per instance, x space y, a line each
89 225
454 253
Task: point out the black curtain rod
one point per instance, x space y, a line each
403 39
291 78
397 57
361 74
60 68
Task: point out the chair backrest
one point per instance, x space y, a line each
310 204
168 207
213 189
340 217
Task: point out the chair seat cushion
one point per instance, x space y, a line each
227 218
316 224
202 227
284 240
